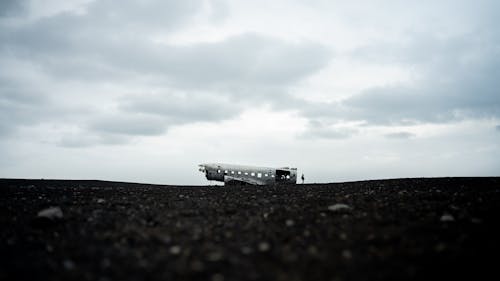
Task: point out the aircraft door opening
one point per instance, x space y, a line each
282 176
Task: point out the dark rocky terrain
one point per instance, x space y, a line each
401 229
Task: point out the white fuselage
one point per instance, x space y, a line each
248 174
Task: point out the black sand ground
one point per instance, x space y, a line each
403 229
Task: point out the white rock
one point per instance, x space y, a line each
51 213
264 246
447 217
338 207
175 250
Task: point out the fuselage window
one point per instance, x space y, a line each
218 171
239 173
225 172
246 173
259 175
252 174
265 175
288 177
232 172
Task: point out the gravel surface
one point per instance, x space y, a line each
401 229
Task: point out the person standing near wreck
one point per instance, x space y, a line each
302 177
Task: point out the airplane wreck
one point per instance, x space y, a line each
230 174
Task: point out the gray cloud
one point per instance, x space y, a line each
25 103
129 124
243 61
317 130
84 139
139 14
469 92
181 108
111 43
497 127
458 80
400 135
148 115
20 106
104 24
10 8
248 60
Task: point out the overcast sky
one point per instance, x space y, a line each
344 90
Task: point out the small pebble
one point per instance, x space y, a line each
214 256
246 250
312 250
289 222
69 264
51 213
175 250
338 207
264 246
447 218
346 254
